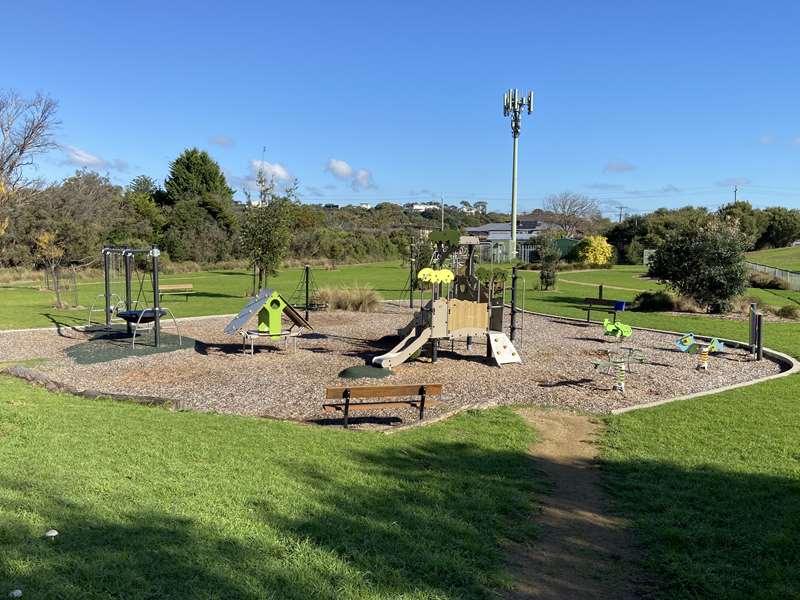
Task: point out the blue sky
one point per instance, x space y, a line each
640 104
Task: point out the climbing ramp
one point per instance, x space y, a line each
503 351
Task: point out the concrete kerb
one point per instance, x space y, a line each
791 365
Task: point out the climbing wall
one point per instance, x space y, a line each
503 350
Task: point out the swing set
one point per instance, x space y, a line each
134 312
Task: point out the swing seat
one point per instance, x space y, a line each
141 316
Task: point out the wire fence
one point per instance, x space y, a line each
790 277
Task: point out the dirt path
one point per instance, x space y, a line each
581 552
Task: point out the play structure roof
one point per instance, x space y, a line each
255 305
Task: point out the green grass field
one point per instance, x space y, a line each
217 292
154 504
711 485
783 258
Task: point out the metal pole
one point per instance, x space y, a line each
600 292
513 330
107 283
760 327
154 252
411 279
514 199
127 259
308 278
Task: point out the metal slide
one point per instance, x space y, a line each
402 351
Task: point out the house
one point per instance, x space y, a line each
497 237
416 207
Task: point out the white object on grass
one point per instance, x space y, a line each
15 594
50 534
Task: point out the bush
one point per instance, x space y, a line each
654 301
765 281
594 249
790 311
359 299
705 262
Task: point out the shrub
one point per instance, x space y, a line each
765 281
704 261
360 299
790 311
654 301
595 250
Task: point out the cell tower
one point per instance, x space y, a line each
513 105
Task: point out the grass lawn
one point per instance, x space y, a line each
155 504
217 292
188 504
783 258
713 488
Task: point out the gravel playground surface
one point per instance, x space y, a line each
212 373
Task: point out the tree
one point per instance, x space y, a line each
704 262
201 223
26 131
751 222
594 249
571 210
549 255
266 234
781 227
50 252
194 174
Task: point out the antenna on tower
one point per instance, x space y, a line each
513 105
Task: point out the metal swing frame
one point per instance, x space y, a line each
130 304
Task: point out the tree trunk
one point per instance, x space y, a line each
57 287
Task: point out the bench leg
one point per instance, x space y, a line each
588 315
346 407
422 403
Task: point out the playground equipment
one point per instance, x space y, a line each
465 311
616 329
269 306
136 318
303 297
620 363
687 343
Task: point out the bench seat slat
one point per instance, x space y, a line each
383 391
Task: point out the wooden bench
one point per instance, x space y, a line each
602 305
176 289
345 395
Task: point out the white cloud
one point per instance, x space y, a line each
339 168
221 140
618 166
766 139
82 158
731 181
275 170
79 157
360 179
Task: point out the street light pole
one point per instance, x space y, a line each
513 105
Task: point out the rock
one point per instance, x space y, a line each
15 594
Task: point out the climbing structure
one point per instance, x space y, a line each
462 311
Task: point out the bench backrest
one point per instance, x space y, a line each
601 302
383 391
171 287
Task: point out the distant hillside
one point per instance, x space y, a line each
782 258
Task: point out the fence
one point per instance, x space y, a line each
791 277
